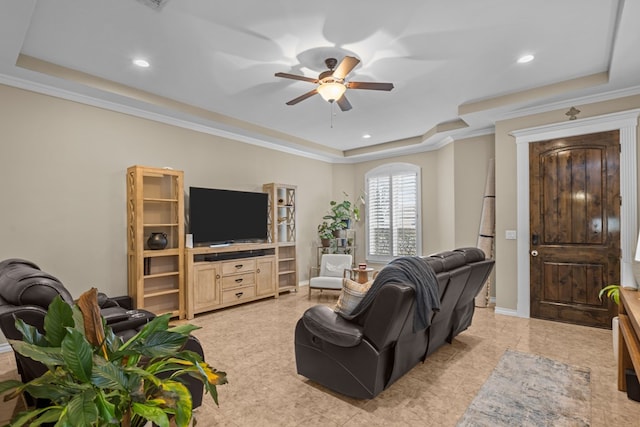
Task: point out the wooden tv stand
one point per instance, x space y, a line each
223 276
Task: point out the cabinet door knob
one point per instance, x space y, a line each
239 280
258 271
239 294
238 266
217 276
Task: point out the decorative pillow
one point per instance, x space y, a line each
351 295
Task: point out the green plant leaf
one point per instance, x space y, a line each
612 292
52 414
151 413
78 320
163 343
107 375
106 409
181 401
9 385
81 409
49 356
78 355
160 323
30 334
184 329
53 392
58 318
112 341
49 414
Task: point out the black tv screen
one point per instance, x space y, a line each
227 216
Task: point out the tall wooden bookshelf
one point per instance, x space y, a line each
282 232
155 204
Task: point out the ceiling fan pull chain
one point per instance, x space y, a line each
331 112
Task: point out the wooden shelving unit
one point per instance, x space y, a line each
155 204
282 233
345 245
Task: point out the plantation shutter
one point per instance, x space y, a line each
379 215
405 212
392 212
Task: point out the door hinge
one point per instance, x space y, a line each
620 201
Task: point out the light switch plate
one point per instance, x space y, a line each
510 235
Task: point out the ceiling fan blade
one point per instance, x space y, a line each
370 85
303 97
346 65
296 77
344 103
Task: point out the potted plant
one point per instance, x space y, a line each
94 379
325 232
613 293
342 213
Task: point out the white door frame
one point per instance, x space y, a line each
627 123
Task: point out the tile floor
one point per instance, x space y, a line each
253 343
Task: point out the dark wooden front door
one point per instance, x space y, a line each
575 227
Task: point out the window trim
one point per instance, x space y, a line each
391 169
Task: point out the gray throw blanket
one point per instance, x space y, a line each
411 271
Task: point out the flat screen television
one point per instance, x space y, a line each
227 216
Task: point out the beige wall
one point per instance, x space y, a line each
445 197
506 191
471 164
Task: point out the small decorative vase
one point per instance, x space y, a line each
157 241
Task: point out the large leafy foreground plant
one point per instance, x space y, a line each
94 379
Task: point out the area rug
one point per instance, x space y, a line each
529 390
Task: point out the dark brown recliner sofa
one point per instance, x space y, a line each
364 356
26 292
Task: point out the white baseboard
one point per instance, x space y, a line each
5 347
506 312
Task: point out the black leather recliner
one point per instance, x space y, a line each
26 292
362 357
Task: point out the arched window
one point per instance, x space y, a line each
393 212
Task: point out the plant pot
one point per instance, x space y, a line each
325 242
340 234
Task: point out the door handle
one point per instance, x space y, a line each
534 253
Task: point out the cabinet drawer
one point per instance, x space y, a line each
238 280
238 294
238 266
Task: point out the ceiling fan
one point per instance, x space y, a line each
332 84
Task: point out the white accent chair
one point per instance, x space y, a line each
333 269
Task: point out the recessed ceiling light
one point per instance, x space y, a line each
525 58
142 63
366 136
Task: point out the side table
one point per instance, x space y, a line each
361 274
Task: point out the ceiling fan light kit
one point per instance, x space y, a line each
331 83
331 91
